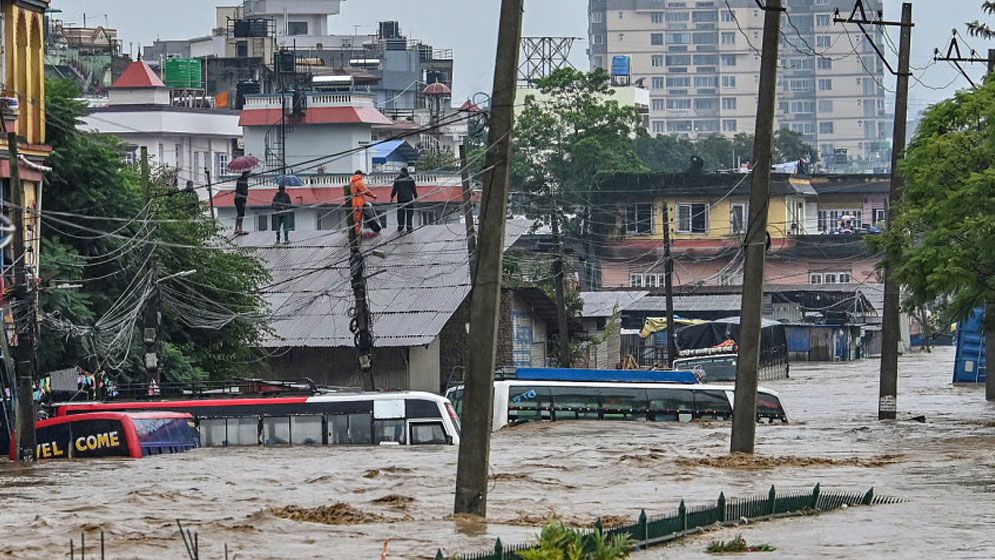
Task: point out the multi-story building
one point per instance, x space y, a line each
701 61
22 70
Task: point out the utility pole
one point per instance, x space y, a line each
210 190
559 274
361 323
24 295
668 283
744 416
150 314
471 234
474 451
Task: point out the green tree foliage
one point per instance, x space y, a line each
559 542
980 29
99 232
940 241
437 160
671 153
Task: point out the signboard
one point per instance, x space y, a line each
621 69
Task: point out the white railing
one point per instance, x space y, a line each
371 180
313 100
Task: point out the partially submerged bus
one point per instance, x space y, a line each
519 401
112 434
716 368
348 418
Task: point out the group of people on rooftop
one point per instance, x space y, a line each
404 190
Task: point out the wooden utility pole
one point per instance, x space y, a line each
210 191
361 324
471 233
891 325
474 451
668 284
744 416
24 295
559 276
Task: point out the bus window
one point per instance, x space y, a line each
243 431
526 403
305 430
456 397
212 432
575 403
349 429
712 404
389 430
276 431
666 404
428 433
622 403
769 406
421 408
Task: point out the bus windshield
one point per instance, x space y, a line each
711 369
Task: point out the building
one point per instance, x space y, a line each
320 204
417 286
141 112
89 56
22 69
701 63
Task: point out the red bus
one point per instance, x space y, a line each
113 434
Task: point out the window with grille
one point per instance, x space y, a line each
692 218
639 219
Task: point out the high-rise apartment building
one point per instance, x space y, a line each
701 62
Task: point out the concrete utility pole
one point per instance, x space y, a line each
24 295
210 190
559 273
890 328
150 315
668 283
744 415
471 233
485 306
362 322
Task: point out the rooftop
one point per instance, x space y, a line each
138 75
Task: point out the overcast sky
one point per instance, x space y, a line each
470 29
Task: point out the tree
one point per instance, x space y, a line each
789 146
671 153
940 240
101 234
666 153
437 160
979 29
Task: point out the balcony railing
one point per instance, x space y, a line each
371 180
314 100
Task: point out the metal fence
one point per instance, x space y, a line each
649 531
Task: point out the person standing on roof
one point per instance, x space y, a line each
241 197
406 192
360 192
281 216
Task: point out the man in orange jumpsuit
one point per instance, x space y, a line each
359 193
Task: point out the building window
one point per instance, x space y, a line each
656 38
823 41
737 219
657 82
597 17
835 277
704 104
840 221
823 20
680 104
639 219
880 216
728 37
598 39
656 60
658 105
679 82
825 64
678 59
728 102
826 127
646 280
729 125
656 17
706 59
297 28
729 82
728 16
692 218
262 222
728 60
659 127
706 81
678 39
825 84
678 17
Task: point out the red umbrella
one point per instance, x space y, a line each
244 163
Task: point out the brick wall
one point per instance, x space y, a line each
453 341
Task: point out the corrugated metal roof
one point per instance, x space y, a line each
603 304
688 303
413 288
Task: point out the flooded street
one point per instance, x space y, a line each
944 467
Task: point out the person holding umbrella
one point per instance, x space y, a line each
241 198
281 217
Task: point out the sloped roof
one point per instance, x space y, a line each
687 303
383 150
316 115
603 304
415 284
138 75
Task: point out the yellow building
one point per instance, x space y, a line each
22 66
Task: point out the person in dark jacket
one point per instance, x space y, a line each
281 216
406 193
241 197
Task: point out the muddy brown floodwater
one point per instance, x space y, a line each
266 503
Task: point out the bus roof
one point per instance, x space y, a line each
601 384
605 375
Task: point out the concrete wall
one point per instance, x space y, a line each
338 366
424 367
306 143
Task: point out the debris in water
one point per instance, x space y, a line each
745 461
395 501
336 514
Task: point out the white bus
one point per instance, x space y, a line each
519 401
346 418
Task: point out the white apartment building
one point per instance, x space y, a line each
700 60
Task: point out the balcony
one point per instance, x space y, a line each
371 180
314 100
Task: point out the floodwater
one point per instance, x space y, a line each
945 469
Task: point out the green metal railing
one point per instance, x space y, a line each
648 531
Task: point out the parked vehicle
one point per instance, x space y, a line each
717 368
